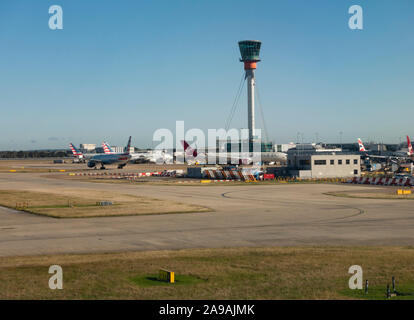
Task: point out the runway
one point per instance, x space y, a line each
248 215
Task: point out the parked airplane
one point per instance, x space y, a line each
79 156
104 159
158 156
272 157
389 155
192 156
155 156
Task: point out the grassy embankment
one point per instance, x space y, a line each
85 203
239 273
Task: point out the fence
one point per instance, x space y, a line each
402 182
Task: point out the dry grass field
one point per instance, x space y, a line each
83 204
238 273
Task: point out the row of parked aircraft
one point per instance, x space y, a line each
155 156
393 156
121 159
192 156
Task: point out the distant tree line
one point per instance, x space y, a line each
35 154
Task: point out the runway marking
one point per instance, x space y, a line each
360 211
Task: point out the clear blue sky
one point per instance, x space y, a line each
121 68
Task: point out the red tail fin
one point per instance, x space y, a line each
361 146
188 150
107 149
185 145
410 147
75 151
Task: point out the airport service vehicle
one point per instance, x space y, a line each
121 159
155 156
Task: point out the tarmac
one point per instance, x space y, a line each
243 216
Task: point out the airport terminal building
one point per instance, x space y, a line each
311 161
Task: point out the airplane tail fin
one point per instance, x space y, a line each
75 151
410 147
188 150
361 146
107 149
128 147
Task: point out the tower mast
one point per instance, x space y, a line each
249 50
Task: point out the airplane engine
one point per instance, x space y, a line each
91 164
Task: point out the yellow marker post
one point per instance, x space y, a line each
167 276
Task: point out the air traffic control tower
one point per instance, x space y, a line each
249 50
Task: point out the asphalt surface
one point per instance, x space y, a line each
248 215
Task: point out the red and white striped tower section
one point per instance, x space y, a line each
249 50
